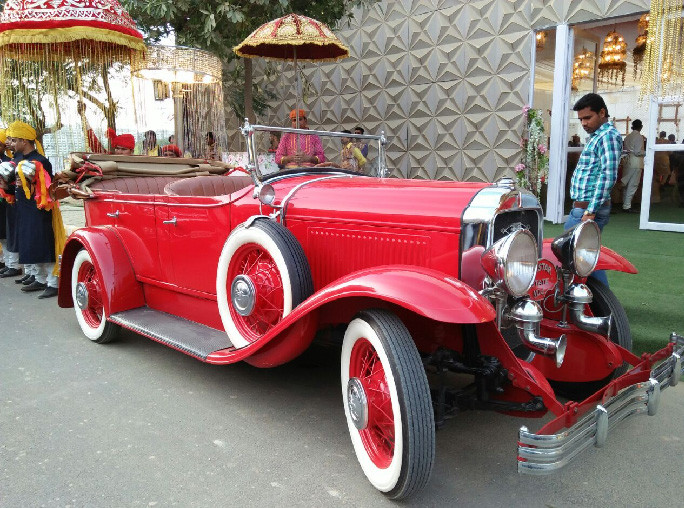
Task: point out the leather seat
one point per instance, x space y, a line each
135 184
213 185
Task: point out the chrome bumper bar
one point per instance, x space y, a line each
540 454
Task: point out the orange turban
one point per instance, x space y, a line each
124 141
293 114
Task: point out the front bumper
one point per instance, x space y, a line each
588 423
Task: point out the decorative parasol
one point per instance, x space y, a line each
293 37
52 49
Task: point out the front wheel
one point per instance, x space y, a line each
87 293
604 303
387 404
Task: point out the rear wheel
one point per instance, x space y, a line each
87 293
387 404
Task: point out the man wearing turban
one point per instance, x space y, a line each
35 212
299 150
123 144
9 260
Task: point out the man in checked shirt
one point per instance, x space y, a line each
597 168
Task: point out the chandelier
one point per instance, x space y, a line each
540 38
613 64
582 67
640 48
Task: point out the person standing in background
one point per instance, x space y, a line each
633 166
597 168
149 145
360 143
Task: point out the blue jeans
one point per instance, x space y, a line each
601 219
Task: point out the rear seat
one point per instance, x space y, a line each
213 185
135 184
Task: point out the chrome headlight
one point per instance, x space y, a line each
578 248
512 261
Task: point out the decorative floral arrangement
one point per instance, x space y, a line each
533 170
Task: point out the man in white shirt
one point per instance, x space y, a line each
633 165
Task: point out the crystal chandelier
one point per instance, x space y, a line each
582 67
540 38
613 64
640 48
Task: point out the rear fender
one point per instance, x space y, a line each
608 259
428 293
120 288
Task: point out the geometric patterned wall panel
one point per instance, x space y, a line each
445 79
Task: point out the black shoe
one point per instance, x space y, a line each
23 279
34 286
48 293
10 272
4 269
631 210
2 265
29 280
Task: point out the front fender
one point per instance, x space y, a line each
608 259
120 288
428 293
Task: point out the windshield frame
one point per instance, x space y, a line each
249 132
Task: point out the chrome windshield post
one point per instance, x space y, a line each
382 163
249 132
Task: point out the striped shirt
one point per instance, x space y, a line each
597 167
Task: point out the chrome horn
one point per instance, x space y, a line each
577 296
526 315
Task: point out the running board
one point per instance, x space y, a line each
187 336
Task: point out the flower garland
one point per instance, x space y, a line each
533 170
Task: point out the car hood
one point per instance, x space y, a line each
425 204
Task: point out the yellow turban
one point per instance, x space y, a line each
23 130
3 136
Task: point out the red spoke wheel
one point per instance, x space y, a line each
387 404
87 293
262 275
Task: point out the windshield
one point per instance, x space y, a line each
293 150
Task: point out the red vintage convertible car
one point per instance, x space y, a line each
434 283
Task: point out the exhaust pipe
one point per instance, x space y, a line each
577 296
526 315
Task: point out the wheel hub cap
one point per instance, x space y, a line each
243 295
81 296
358 403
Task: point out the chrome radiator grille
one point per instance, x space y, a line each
507 222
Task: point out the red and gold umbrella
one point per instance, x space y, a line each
47 47
293 37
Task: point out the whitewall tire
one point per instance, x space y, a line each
387 404
262 275
87 293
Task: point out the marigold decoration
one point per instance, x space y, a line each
582 67
640 47
664 44
53 49
532 172
613 60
